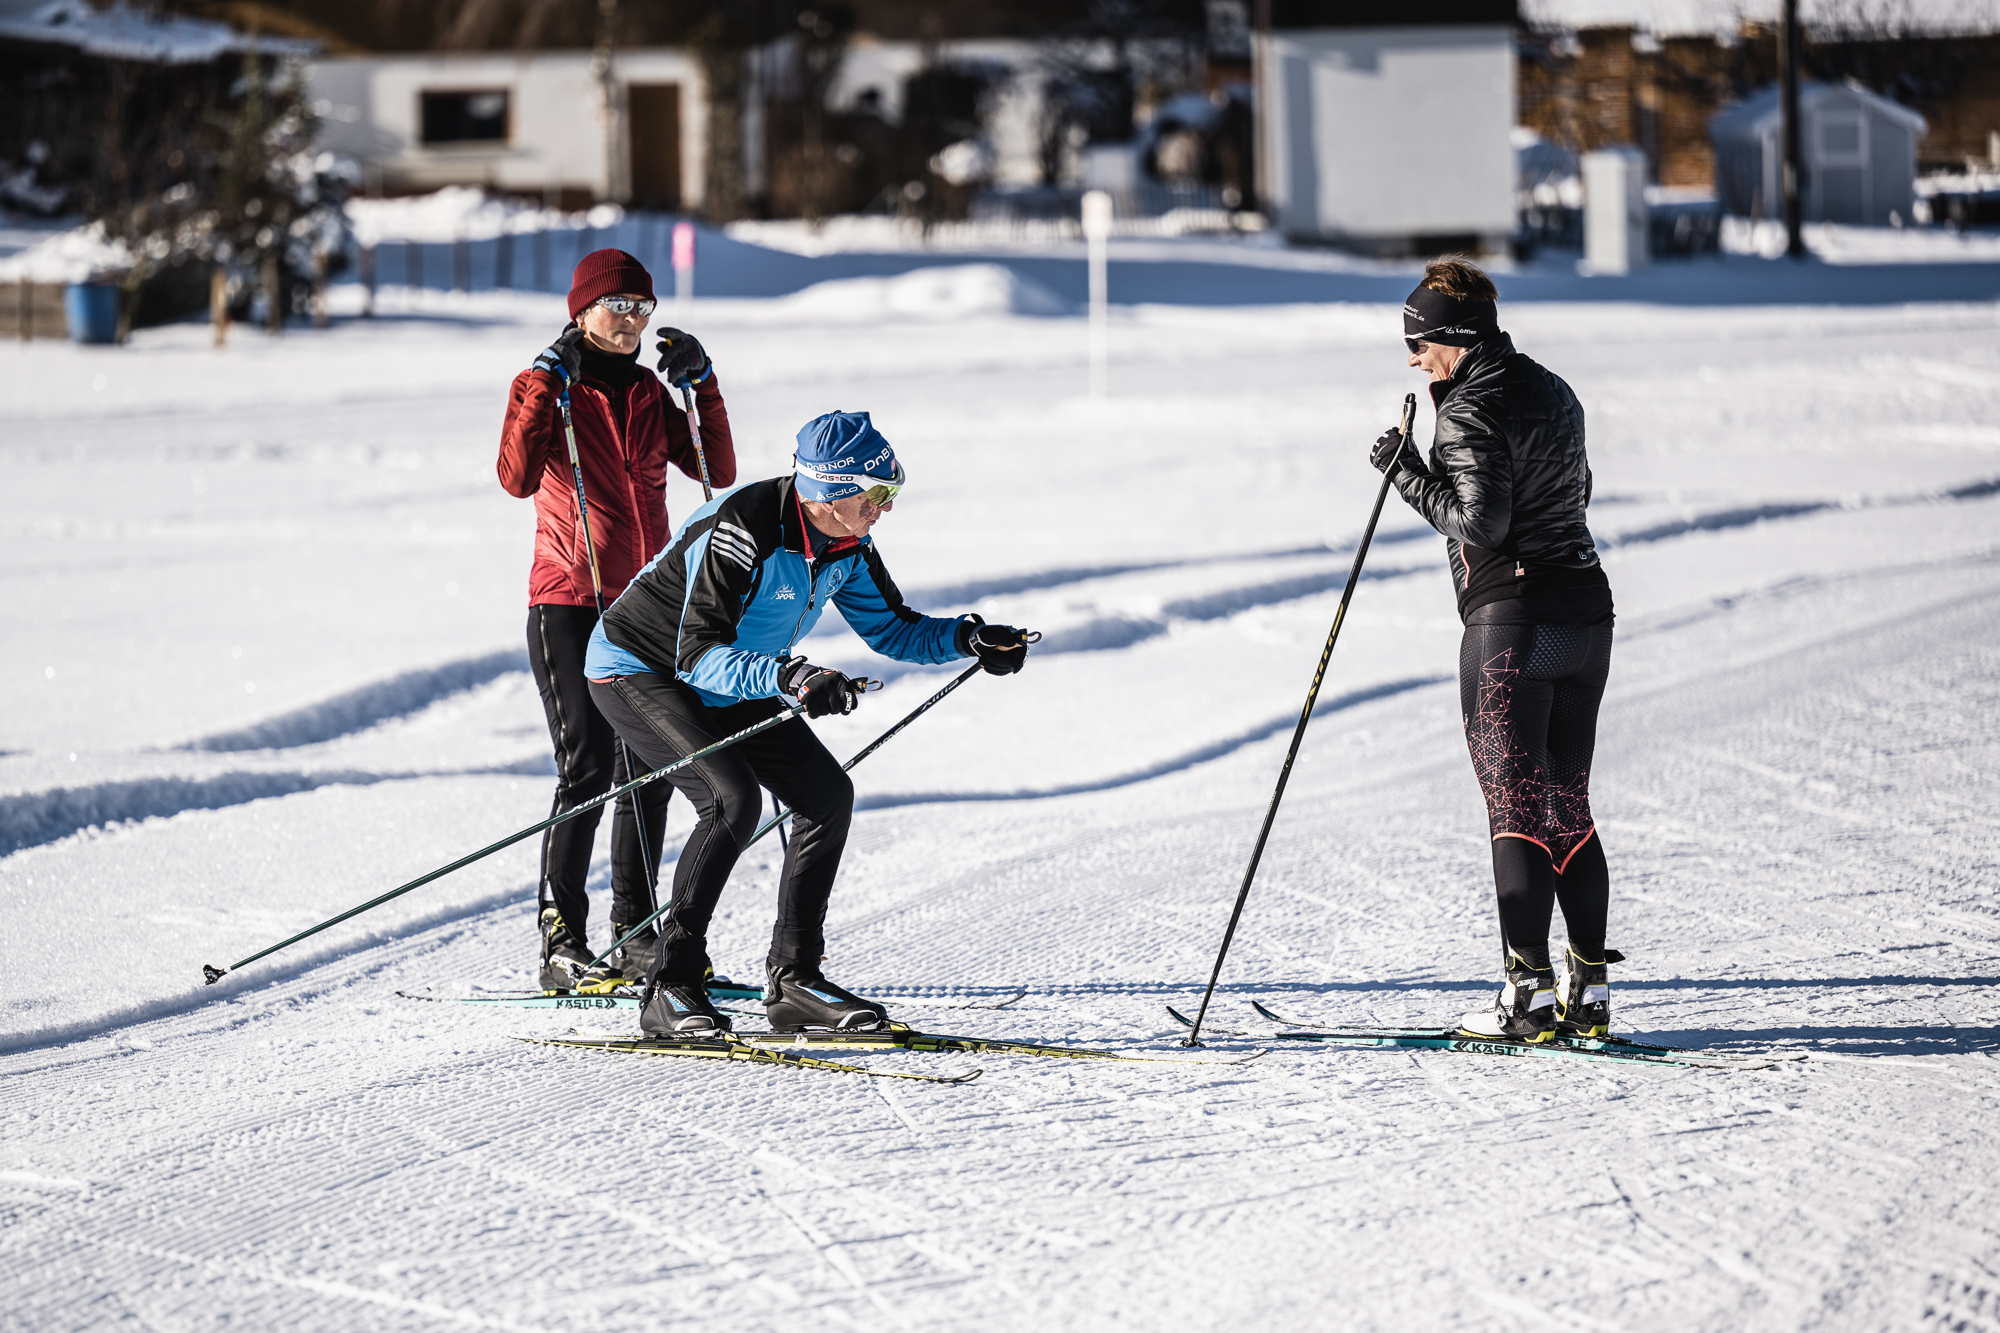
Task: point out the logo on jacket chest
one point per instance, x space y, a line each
785 594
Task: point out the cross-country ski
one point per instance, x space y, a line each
724 1048
626 998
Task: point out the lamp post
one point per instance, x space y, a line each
1792 174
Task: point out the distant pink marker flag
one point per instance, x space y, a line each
684 261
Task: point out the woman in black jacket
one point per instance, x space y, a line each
1507 482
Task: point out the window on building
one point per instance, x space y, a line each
470 115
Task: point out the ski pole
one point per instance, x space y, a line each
597 595
876 744
783 814
1193 1037
215 974
694 433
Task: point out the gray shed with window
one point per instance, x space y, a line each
1860 154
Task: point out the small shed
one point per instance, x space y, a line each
1385 128
1859 151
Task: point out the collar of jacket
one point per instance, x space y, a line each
1483 358
610 369
791 518
792 530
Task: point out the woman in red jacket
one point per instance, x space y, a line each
627 432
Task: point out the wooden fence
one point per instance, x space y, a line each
32 310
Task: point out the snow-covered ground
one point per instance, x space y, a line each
263 662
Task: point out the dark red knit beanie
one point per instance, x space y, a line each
607 273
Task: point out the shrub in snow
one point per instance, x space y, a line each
258 210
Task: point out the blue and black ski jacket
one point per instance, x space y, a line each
722 607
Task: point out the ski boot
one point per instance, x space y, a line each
1583 995
637 957
1525 1009
601 979
680 1011
797 997
565 958
629 964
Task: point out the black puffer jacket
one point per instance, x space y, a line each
1507 474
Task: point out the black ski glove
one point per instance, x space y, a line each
824 690
1001 649
563 358
1393 452
681 359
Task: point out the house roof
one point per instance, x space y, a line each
122 33
1723 17
1297 14
1757 114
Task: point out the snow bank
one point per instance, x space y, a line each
76 255
949 293
464 213
1839 243
123 32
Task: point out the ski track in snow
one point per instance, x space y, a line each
38 817
1796 787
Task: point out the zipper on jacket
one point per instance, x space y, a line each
812 598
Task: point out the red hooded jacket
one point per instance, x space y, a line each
625 455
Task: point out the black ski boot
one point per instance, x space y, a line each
1525 1008
796 998
680 1011
565 957
635 959
1583 995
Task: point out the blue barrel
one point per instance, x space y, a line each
92 311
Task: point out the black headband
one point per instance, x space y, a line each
1438 318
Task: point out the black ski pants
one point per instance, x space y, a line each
588 763
662 720
1530 694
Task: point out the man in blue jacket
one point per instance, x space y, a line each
699 646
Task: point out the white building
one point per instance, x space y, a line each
528 124
876 71
1860 154
1388 138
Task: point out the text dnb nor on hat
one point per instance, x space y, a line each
842 454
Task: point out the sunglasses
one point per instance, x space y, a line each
641 306
874 490
1416 345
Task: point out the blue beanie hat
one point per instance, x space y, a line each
837 451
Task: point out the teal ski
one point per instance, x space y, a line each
1599 1044
1451 1039
627 997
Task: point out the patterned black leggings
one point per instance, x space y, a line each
1529 694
